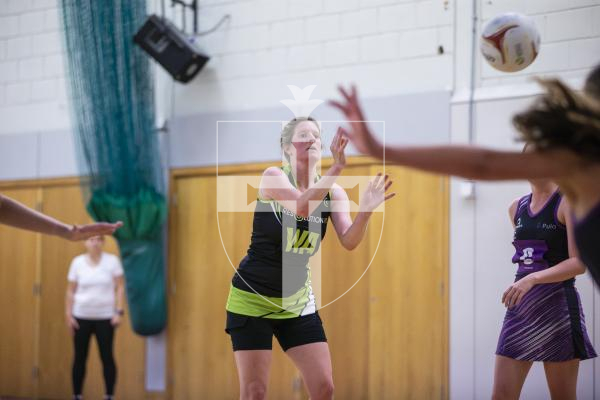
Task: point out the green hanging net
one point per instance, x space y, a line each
113 114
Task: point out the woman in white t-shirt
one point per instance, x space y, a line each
94 305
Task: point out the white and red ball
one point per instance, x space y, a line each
510 42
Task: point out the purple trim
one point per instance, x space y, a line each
522 201
533 215
558 223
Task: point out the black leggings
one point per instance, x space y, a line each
104 332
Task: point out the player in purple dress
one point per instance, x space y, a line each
563 125
544 319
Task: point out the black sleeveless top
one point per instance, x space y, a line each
540 240
280 241
587 238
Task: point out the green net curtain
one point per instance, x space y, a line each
113 116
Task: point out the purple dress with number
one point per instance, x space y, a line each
548 324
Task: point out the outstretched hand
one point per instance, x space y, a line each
338 147
360 135
83 232
376 193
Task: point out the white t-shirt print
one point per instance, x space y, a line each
95 293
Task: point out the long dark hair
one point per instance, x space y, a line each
564 118
592 84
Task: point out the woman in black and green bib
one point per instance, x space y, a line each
271 291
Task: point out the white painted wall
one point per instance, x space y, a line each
387 47
32 77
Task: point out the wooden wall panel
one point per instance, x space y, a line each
346 320
18 261
408 340
200 359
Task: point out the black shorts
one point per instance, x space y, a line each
253 333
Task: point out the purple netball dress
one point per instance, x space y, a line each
548 324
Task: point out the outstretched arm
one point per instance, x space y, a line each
465 161
483 164
18 215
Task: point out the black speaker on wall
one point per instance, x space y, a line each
169 46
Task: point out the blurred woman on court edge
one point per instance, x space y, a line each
94 306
